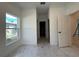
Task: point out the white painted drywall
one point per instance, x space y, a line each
54 13
57 12
29 26
7 7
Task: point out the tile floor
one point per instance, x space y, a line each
44 50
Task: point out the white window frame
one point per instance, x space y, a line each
18 28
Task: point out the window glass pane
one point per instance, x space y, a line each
11 34
11 28
11 19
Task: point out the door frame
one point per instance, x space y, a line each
38 34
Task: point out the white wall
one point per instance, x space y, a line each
57 12
7 7
29 26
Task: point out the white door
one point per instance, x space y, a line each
62 32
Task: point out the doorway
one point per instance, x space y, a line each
43 32
42 29
43 24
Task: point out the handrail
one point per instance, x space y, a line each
77 30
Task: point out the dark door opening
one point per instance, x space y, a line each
43 32
42 29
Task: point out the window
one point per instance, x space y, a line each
11 28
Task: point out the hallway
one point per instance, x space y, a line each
43 41
44 50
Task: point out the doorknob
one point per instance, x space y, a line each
59 32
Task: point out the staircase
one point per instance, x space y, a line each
76 33
76 37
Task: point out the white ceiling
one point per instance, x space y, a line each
40 8
27 4
36 4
